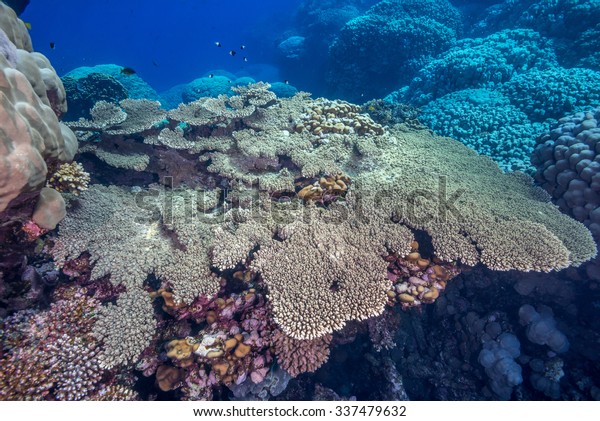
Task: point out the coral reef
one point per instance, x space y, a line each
487 122
84 92
478 63
566 22
325 190
553 93
32 141
343 277
377 50
341 117
30 137
417 280
541 328
135 86
298 356
498 358
51 354
567 169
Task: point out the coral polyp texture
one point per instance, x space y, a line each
51 354
323 263
235 243
341 273
32 98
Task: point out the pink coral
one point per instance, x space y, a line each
32 230
51 354
297 356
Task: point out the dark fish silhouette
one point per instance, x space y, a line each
52 45
127 71
232 53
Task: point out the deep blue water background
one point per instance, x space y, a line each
166 42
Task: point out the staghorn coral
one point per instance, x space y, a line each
297 356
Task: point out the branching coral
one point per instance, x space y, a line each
51 354
125 329
297 356
69 178
471 210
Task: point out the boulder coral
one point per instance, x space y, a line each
374 52
32 99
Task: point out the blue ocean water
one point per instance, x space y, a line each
167 43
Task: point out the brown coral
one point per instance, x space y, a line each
298 356
69 178
168 377
326 189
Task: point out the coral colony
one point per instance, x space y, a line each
231 245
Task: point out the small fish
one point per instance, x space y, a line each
155 63
218 44
229 81
211 76
52 45
245 58
127 71
232 53
242 47
287 82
